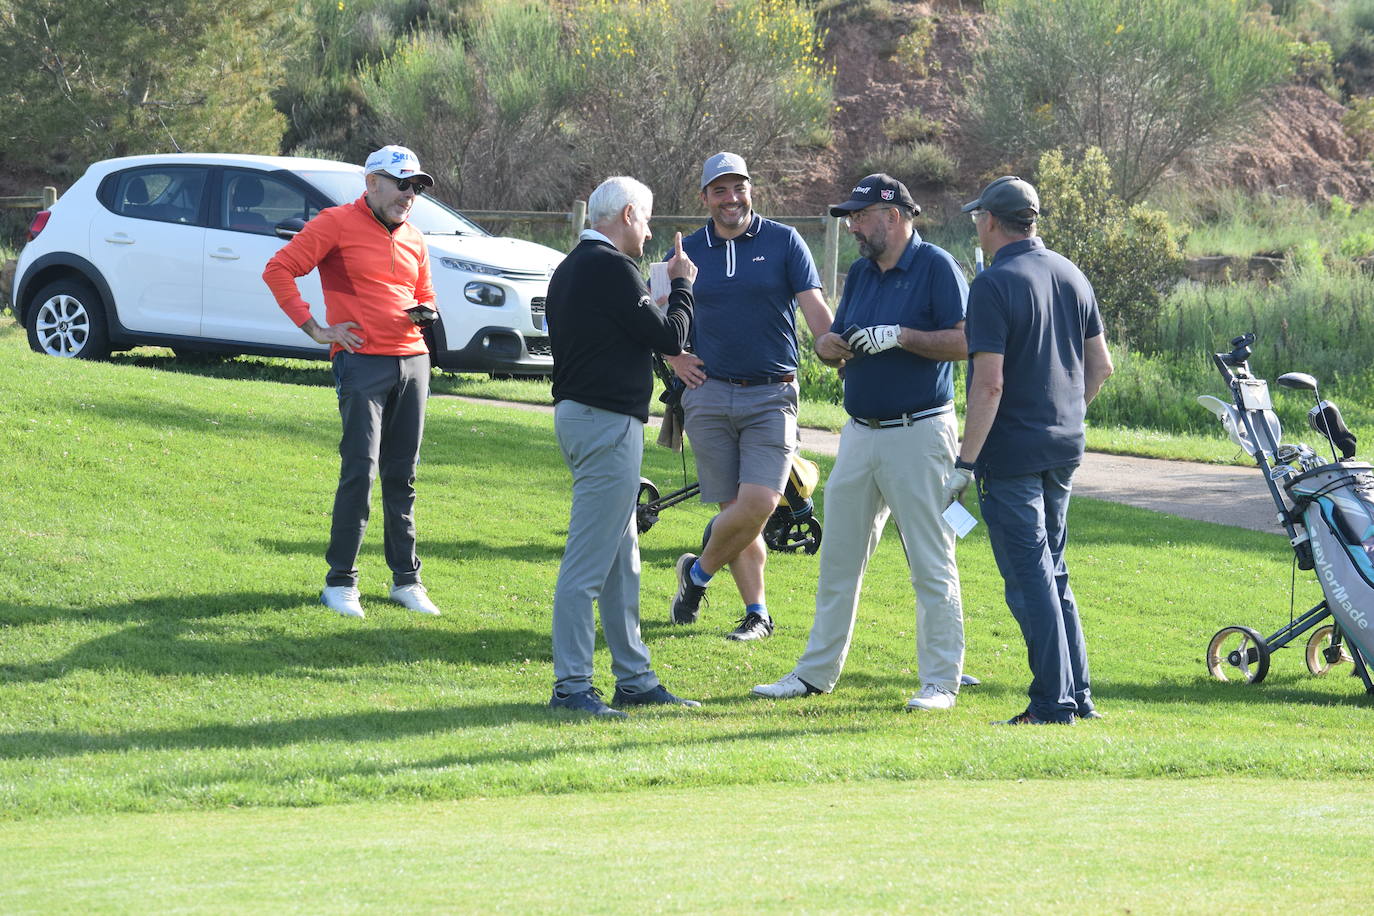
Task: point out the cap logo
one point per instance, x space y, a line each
862 189
887 194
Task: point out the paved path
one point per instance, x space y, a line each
1206 492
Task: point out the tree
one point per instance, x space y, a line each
674 81
90 79
1130 253
1142 80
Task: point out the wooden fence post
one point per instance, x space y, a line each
830 267
578 217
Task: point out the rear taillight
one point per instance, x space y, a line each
38 223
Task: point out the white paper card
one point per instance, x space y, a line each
959 518
659 284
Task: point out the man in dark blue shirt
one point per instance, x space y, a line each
1038 359
740 406
899 325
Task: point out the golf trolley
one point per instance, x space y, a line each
793 525
1327 508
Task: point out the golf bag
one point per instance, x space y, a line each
1327 508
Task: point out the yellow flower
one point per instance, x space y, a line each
1120 27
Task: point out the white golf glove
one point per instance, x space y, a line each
955 484
874 339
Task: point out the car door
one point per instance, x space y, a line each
147 241
238 244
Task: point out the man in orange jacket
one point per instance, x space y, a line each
375 274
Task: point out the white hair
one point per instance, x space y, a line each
613 195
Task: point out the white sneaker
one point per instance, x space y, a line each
788 687
931 697
343 599
414 597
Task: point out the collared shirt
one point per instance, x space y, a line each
924 290
369 275
1034 307
745 323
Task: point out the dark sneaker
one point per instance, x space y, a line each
687 601
751 626
1030 718
657 696
588 701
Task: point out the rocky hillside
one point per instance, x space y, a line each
1297 145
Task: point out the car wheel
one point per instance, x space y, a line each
67 318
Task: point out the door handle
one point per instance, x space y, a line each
224 254
119 238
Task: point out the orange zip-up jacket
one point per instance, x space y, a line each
369 276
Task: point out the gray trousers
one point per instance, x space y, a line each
382 406
601 561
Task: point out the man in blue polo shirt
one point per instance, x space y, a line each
740 405
1039 358
899 324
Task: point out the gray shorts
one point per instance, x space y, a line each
741 434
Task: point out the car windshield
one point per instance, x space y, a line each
429 215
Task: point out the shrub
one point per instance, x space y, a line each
1358 244
1131 254
913 48
916 164
910 126
481 111
1143 80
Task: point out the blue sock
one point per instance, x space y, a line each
760 609
699 576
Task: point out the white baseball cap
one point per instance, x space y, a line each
398 162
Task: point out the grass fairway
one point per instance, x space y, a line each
1082 846
163 661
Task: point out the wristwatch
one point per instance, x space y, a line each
963 465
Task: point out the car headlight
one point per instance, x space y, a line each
472 267
484 293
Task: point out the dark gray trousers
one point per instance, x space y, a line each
382 406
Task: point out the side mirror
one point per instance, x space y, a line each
1298 381
289 228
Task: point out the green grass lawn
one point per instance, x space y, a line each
164 665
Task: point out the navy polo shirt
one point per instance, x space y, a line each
925 290
1035 308
745 320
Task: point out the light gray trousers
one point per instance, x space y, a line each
600 564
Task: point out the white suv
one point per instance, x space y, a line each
169 250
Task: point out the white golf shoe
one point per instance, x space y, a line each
342 599
414 597
788 687
931 697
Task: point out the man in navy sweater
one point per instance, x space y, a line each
604 329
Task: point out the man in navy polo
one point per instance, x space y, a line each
1039 358
740 405
899 324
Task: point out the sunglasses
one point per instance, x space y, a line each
410 184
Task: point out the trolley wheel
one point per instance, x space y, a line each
646 516
1238 654
791 536
1321 654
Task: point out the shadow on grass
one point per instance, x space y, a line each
430 548
175 636
381 726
